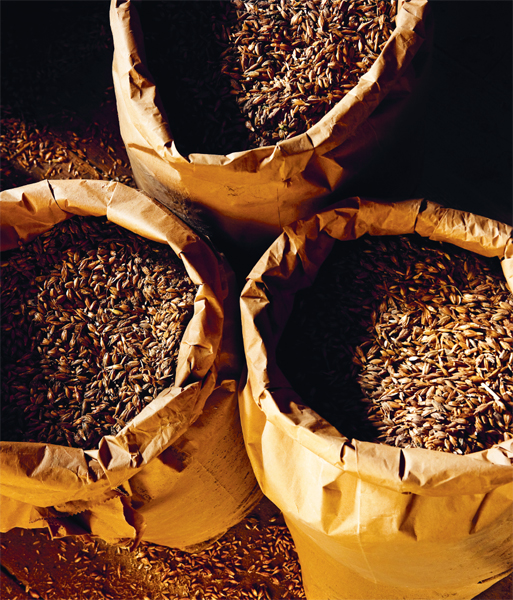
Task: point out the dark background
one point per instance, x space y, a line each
468 150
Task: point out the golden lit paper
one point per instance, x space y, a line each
370 520
133 483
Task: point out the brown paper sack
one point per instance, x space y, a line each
370 521
177 474
371 137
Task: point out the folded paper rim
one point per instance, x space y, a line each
51 475
290 264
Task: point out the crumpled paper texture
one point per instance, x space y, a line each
130 485
370 520
370 138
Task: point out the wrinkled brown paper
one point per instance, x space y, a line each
370 521
177 474
370 138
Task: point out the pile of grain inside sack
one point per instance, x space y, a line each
235 75
92 319
407 342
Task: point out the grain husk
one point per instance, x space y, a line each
369 519
132 484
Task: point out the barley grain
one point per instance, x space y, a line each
78 335
380 342
260 72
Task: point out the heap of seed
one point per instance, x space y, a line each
238 75
255 560
92 318
32 153
408 342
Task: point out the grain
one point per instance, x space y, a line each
249 74
92 318
31 152
255 559
406 342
